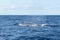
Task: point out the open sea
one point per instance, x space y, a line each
9 30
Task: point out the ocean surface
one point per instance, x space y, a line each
9 30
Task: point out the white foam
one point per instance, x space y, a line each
22 24
43 24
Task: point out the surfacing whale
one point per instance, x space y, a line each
31 24
28 24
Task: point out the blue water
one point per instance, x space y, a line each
10 31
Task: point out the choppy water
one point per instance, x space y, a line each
10 31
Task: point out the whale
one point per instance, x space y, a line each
20 24
33 24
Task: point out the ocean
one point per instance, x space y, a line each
9 30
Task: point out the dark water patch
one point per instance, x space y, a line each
53 25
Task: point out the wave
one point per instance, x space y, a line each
32 38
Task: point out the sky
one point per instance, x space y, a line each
29 7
